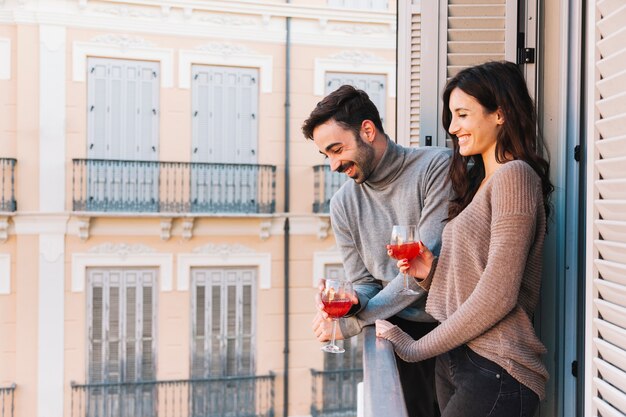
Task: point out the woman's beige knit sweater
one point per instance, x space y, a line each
486 284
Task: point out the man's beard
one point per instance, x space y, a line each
363 161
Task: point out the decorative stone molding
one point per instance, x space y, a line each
83 227
323 226
123 41
124 47
125 11
122 250
223 249
354 61
166 229
216 259
4 228
357 57
357 30
224 48
221 53
188 228
225 20
264 233
121 255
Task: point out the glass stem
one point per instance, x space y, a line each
406 281
332 335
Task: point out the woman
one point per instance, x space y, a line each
484 287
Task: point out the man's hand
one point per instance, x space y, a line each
320 305
322 324
322 328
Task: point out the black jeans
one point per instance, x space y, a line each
417 378
469 385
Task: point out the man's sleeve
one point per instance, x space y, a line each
365 285
436 192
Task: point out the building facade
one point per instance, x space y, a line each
163 221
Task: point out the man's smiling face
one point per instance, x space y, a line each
347 152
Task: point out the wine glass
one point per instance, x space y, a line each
337 300
404 244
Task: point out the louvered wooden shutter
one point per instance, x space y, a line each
606 256
414 78
121 325
437 40
479 31
223 322
224 114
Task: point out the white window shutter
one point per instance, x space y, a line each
123 113
224 114
605 350
223 341
121 324
373 84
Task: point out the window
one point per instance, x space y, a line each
122 128
223 317
121 318
360 4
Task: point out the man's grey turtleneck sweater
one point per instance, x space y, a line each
409 186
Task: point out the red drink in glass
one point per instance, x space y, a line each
405 251
337 308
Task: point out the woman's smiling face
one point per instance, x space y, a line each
474 127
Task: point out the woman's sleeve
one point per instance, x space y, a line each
515 197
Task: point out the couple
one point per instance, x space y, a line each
481 214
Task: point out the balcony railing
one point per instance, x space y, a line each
326 183
172 187
335 392
245 396
7 401
382 393
7 184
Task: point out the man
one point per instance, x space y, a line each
392 185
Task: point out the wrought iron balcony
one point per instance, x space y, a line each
244 396
334 392
7 184
326 183
7 401
172 187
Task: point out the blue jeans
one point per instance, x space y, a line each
469 385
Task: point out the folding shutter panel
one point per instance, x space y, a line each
373 84
414 79
121 319
225 114
224 317
480 31
606 255
123 100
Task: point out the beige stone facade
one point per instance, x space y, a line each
51 247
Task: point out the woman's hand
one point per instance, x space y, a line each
420 266
382 326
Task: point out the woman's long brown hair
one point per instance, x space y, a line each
496 85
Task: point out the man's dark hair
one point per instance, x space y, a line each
348 106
